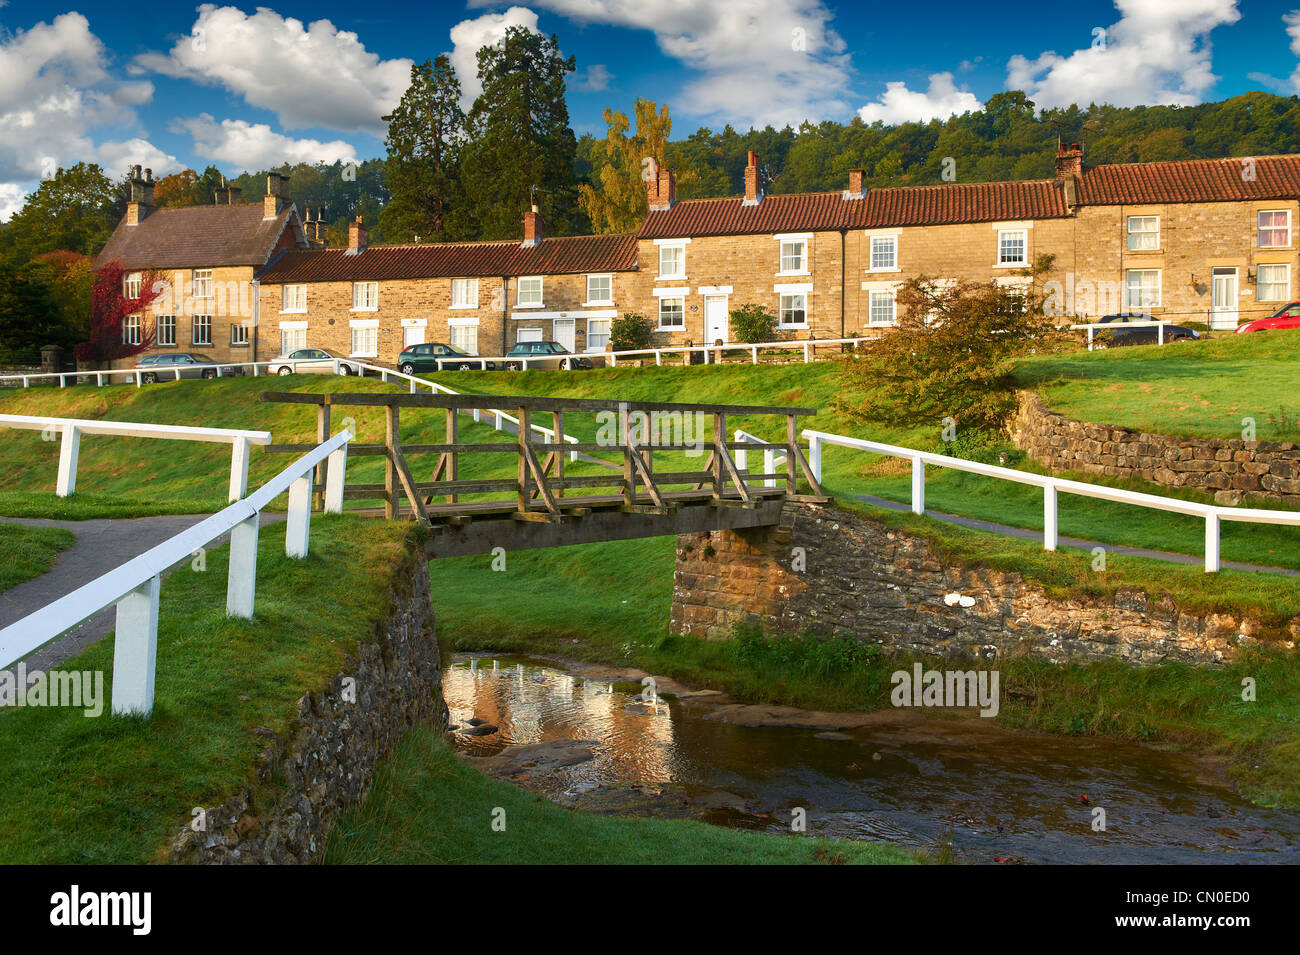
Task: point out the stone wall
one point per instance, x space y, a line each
322 767
1230 469
892 588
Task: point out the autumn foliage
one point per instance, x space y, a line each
110 307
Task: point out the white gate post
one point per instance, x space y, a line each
335 470
918 486
1160 333
241 583
299 522
135 649
239 468
741 455
1049 516
815 456
69 450
769 467
1212 542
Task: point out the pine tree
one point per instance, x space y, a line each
519 138
425 134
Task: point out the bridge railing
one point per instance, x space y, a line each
70 431
1212 514
135 586
632 434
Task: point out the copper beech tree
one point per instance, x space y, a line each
113 302
953 352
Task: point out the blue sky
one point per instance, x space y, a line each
238 86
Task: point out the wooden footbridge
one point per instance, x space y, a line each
627 497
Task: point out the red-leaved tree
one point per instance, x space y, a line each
110 307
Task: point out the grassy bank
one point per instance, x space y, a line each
428 807
29 552
107 789
609 603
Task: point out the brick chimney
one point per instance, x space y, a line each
532 228
1069 162
277 191
314 229
753 189
357 234
856 188
141 202
661 190
228 196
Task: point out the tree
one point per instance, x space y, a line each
619 204
68 276
188 188
111 304
28 316
425 133
752 324
952 354
72 210
630 332
520 147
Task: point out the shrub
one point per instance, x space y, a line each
752 324
630 332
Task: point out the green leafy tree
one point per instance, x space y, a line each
72 210
425 134
752 324
520 146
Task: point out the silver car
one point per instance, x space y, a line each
314 360
169 367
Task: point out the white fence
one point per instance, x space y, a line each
135 586
771 460
1093 327
1212 514
71 430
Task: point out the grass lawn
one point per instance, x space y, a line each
609 603
28 552
428 807
1201 389
114 789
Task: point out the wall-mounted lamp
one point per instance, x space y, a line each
1250 275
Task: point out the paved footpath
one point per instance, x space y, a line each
102 545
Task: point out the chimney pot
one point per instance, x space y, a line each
357 235
661 190
753 190
532 228
856 183
1069 162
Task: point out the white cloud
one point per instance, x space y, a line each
54 90
898 104
470 36
116 157
1158 53
242 145
756 62
313 75
593 79
12 197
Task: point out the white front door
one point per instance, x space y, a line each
715 318
563 330
1223 298
412 335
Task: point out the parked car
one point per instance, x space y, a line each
420 358
1141 335
546 355
166 367
1288 316
318 360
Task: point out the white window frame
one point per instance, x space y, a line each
1259 229
1131 307
167 322
362 299
678 245
237 339
892 295
1024 239
458 325
1285 284
1140 234
131 285
204 323
782 309
892 239
293 330
468 293
519 292
364 325
133 329
293 299
202 284
606 300
663 299
803 242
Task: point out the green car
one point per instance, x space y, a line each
426 357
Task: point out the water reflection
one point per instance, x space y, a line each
991 793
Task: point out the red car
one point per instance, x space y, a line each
1288 316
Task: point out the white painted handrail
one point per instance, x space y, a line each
135 585
771 460
1212 514
1145 323
71 430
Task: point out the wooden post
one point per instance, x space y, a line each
558 420
629 471
241 581
791 452
525 425
719 449
135 649
393 442
322 435
453 437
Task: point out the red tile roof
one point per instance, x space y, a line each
552 256
802 212
1194 180
961 202
196 236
